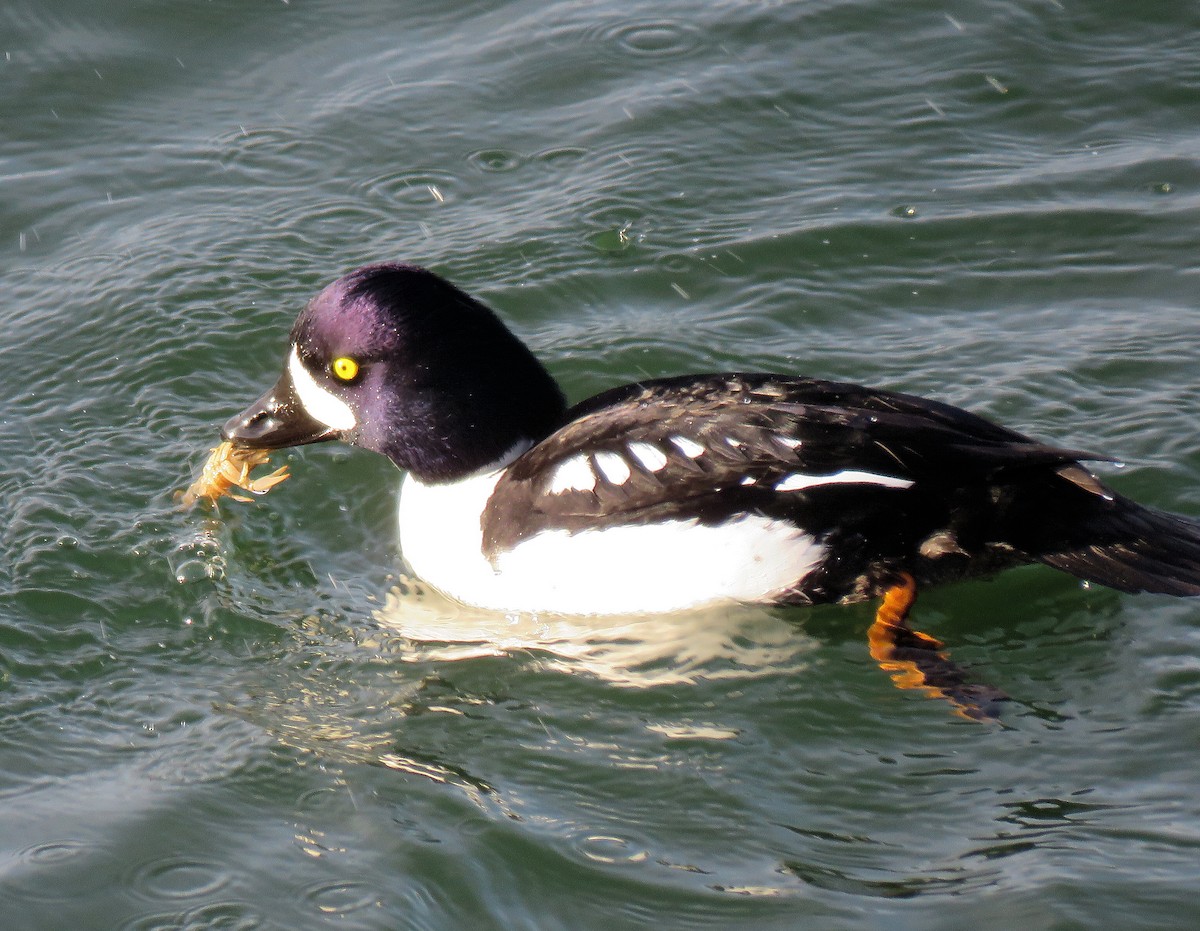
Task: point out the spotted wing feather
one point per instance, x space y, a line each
710 447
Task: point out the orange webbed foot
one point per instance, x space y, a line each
919 661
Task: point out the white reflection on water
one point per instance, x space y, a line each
388 692
637 651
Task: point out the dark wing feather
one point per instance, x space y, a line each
754 430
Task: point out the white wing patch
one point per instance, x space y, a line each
689 448
574 474
319 402
798 480
613 467
648 455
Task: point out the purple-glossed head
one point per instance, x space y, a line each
394 359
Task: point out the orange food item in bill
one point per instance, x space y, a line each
229 467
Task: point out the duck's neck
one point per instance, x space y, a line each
453 432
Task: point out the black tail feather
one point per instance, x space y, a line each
1132 548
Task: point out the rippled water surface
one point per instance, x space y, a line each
248 719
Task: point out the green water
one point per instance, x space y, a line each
232 721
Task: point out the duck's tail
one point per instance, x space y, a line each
1132 548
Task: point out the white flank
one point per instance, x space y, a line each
689 448
319 402
648 455
574 474
615 469
798 480
655 568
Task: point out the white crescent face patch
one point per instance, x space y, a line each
319 402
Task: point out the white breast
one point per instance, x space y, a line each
655 568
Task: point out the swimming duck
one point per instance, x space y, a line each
675 493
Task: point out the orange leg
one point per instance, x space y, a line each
918 661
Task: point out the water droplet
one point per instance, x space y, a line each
415 188
904 211
607 849
173 878
197 560
567 155
495 160
1163 187
610 240
340 898
656 38
57 852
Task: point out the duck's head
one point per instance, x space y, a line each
394 359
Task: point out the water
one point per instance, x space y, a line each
237 720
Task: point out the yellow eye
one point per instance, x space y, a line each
345 368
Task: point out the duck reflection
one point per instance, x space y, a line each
636 651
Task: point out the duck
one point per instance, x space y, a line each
682 492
